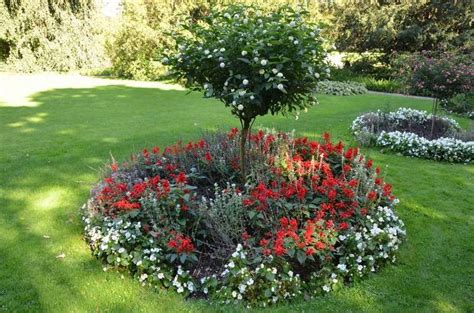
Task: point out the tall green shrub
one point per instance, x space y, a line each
47 35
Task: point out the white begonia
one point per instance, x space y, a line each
280 86
245 82
342 267
222 64
243 53
264 62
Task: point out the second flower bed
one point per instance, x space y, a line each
410 133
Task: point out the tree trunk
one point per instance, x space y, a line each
243 151
433 117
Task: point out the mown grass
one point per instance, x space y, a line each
49 158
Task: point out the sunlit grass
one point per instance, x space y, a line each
51 152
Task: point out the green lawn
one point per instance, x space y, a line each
50 154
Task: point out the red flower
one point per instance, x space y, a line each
137 190
155 150
279 250
232 133
372 195
363 211
126 205
114 167
320 245
309 251
181 178
343 226
181 244
284 221
346 168
369 163
247 202
208 157
146 154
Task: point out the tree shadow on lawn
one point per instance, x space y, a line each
48 159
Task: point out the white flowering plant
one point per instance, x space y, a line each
255 63
409 132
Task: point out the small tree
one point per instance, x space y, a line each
254 62
440 76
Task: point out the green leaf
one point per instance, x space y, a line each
301 256
244 60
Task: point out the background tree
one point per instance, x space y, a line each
52 35
255 63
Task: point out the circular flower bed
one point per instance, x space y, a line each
407 131
311 217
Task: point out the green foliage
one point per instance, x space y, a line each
50 35
254 63
336 88
371 83
141 34
402 25
462 103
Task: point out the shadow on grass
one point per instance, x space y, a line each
49 158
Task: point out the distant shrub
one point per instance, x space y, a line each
50 36
462 104
132 52
347 88
371 83
441 76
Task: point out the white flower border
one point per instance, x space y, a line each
410 144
